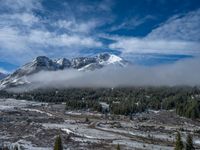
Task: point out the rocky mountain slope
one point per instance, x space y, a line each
43 63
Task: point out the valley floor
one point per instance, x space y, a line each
34 126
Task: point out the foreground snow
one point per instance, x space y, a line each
34 126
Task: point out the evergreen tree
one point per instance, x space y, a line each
179 143
87 119
189 143
16 148
58 143
118 147
5 148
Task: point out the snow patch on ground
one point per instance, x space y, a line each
26 145
6 107
67 131
84 131
139 145
197 141
75 113
13 103
39 111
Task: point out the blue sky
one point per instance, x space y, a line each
146 32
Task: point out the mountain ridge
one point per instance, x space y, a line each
43 63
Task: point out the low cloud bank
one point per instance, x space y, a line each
181 73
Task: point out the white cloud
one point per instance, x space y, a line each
3 71
84 17
137 45
11 40
46 38
180 27
25 18
24 35
103 6
180 73
131 23
21 5
82 27
17 45
22 21
178 35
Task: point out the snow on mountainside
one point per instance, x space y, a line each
43 63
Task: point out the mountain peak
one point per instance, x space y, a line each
114 58
41 58
43 63
63 63
103 56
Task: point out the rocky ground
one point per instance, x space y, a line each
34 126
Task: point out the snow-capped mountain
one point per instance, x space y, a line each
43 63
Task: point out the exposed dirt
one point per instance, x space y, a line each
34 126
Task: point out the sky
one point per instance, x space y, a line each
145 32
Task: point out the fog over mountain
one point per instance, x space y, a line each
61 69
181 73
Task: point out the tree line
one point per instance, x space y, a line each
123 101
